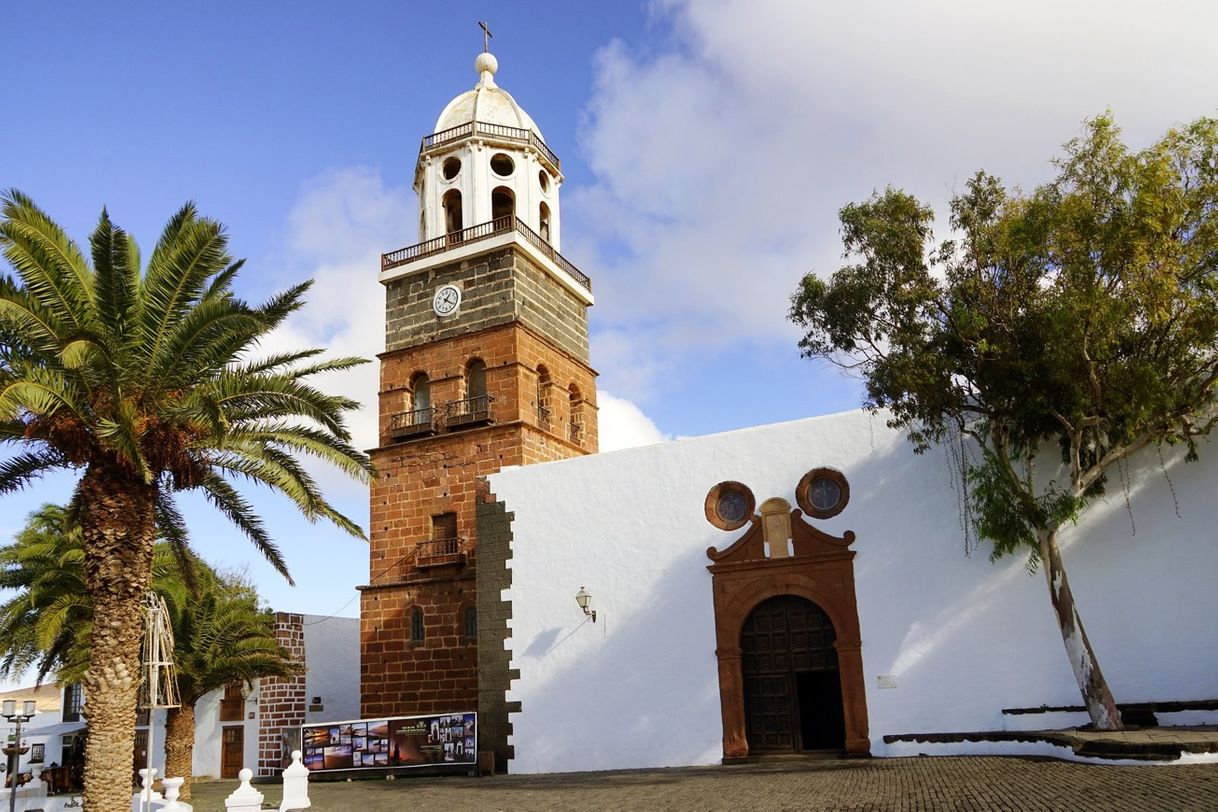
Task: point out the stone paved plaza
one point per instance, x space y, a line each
871 784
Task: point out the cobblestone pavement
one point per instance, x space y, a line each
870 784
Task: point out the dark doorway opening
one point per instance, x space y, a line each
792 686
821 718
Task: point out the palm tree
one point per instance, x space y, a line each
46 625
41 626
138 378
221 635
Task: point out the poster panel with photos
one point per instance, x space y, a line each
401 741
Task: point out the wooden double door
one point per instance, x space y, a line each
792 684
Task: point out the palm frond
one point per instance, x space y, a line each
241 513
175 279
49 263
21 469
114 279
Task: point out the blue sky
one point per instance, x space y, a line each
707 147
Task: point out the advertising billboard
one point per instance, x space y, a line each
403 741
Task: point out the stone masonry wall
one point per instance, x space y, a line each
281 700
497 288
494 660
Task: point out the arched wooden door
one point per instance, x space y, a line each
792 685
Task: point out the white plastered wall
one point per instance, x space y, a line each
332 655
959 637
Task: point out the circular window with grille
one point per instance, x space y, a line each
729 505
822 493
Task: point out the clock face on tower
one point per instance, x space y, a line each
447 300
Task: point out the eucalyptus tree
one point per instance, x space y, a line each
1061 330
139 378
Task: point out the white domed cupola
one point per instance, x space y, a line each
486 167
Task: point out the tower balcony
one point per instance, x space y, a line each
441 552
475 411
409 425
494 134
501 229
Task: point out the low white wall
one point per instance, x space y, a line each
961 637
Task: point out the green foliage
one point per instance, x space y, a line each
221 634
1081 317
143 372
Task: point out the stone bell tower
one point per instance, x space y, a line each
485 365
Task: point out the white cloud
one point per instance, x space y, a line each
621 424
336 232
722 158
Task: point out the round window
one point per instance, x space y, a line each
502 164
543 178
729 505
732 506
822 493
451 167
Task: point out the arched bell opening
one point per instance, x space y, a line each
503 203
543 220
453 217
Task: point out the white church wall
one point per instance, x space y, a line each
332 654
959 637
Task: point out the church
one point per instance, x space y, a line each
805 587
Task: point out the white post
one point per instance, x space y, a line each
143 799
173 787
245 798
295 785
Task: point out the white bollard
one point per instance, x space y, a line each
245 798
35 783
143 800
173 788
295 785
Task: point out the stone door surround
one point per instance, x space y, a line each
821 570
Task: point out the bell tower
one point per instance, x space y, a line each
485 365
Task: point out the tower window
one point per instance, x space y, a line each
543 221
475 379
503 202
576 426
502 164
453 219
471 622
416 625
421 392
543 177
543 397
452 167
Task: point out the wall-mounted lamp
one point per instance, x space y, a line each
583 599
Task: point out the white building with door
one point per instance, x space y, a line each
237 726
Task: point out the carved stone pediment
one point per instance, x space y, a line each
808 543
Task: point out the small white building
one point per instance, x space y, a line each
235 727
806 585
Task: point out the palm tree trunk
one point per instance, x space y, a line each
1097 697
118 530
180 744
